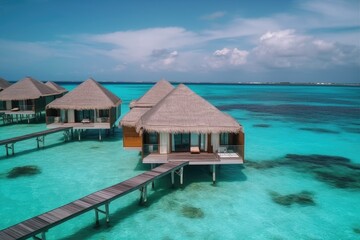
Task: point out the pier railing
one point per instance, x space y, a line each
230 149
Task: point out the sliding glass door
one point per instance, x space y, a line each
180 142
183 141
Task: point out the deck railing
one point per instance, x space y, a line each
53 119
19 108
152 148
102 120
238 149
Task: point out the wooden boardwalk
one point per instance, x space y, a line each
42 223
9 143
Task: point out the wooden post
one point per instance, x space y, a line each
107 212
172 178
7 150
181 175
143 194
214 174
100 134
96 217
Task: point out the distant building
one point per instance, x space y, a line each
26 97
4 84
133 139
184 126
88 106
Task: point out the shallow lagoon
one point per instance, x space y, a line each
278 120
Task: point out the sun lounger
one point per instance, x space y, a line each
194 150
85 120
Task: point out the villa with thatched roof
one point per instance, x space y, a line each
4 84
131 138
26 97
56 87
88 106
184 126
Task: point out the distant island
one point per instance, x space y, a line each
223 83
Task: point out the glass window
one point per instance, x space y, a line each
194 139
224 138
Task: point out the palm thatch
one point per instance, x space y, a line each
27 88
132 117
88 95
183 111
154 95
4 84
56 87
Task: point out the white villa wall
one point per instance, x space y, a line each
215 140
71 116
164 143
8 105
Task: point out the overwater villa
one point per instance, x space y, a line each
88 106
184 126
4 84
133 139
27 97
56 87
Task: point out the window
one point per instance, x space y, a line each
224 138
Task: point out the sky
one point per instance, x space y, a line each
183 41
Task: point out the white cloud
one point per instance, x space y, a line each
333 12
226 57
286 48
214 15
135 46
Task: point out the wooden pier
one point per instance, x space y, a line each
39 225
40 138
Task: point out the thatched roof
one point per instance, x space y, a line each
4 84
154 95
56 87
88 95
133 116
27 88
182 110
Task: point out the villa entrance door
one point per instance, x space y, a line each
180 142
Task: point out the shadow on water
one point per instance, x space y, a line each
192 174
35 149
106 136
338 172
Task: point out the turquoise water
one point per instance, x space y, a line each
250 202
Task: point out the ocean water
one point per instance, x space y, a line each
301 179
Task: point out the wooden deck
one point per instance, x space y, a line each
9 143
42 223
194 159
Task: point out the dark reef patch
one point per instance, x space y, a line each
23 171
298 112
302 198
356 230
319 130
192 212
336 171
262 125
352 130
